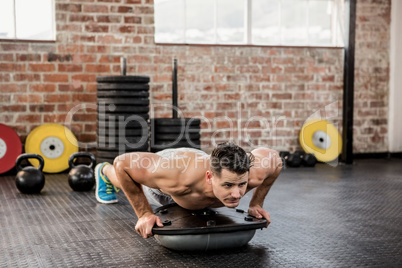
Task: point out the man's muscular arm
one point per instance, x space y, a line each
131 176
271 165
257 201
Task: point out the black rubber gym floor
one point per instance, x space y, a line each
344 216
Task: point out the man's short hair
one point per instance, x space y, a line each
231 157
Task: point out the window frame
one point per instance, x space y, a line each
336 21
53 27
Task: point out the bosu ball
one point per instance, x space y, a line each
203 230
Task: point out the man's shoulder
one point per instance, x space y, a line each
266 159
265 152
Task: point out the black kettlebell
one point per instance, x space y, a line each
291 160
81 177
309 160
294 160
29 180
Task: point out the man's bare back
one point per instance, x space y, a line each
186 176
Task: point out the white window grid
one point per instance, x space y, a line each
337 25
16 36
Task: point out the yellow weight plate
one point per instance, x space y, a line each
322 139
55 143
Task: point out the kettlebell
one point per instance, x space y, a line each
29 180
309 160
81 177
291 160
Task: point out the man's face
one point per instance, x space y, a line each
229 187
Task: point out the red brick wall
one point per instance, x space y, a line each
258 96
372 65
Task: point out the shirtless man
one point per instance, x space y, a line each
189 177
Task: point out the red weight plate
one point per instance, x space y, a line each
10 148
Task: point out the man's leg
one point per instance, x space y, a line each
154 196
107 181
105 177
110 173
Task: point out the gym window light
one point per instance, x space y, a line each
250 22
27 20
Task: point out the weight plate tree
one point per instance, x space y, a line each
321 138
123 114
55 143
175 132
10 148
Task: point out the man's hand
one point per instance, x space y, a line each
259 213
146 223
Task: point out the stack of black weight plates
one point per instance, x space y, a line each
123 114
175 133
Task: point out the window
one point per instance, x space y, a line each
27 19
250 22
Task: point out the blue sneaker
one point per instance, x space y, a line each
105 191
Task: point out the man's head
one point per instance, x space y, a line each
228 174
